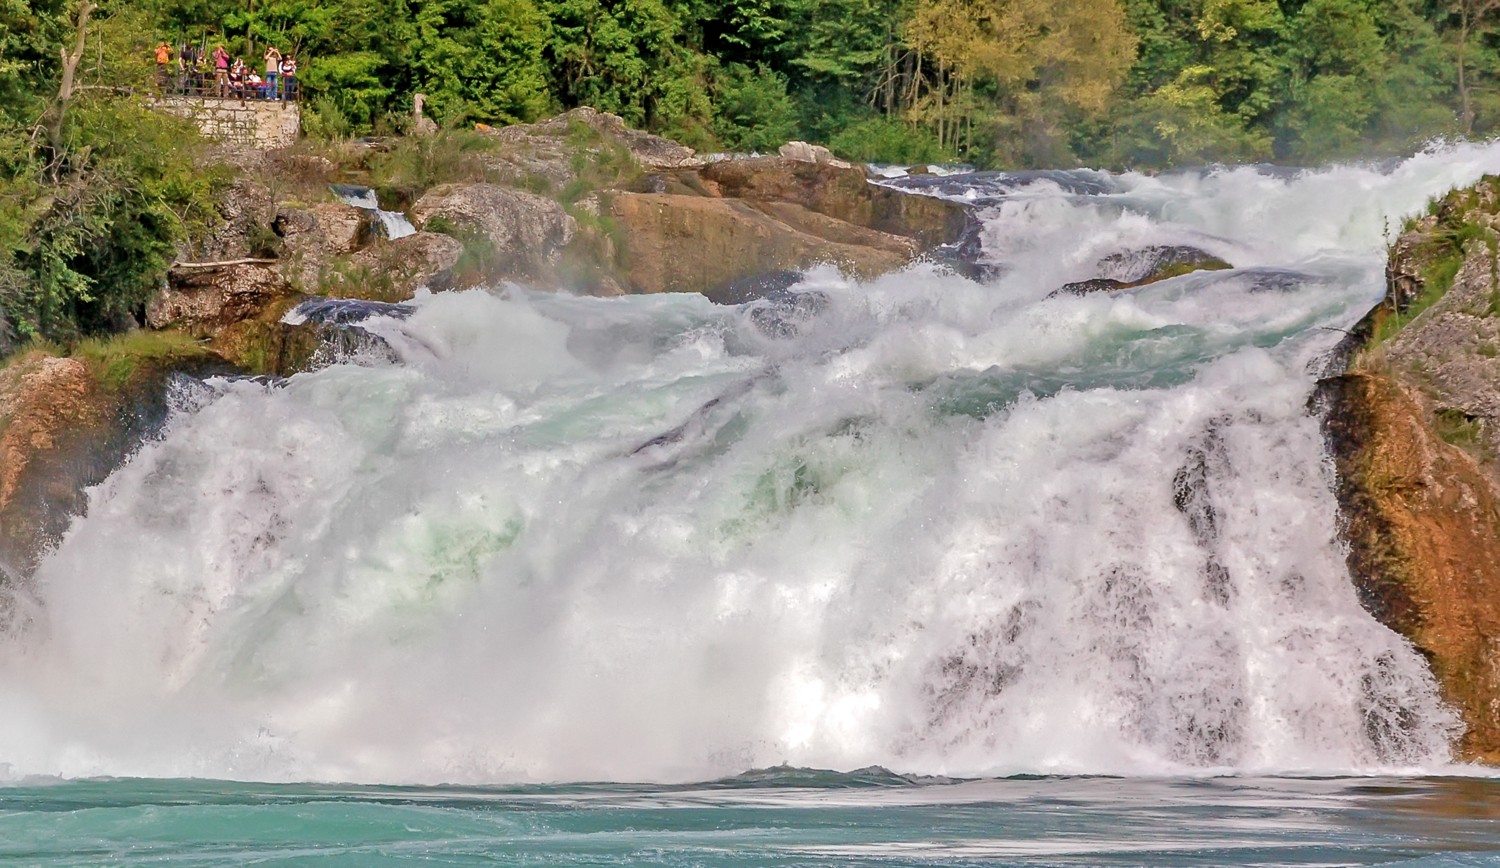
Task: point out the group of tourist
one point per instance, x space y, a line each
189 70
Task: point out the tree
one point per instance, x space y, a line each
1472 16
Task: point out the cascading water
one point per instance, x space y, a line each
924 523
393 223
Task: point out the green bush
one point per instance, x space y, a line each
753 111
887 140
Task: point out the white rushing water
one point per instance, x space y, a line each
393 223
934 525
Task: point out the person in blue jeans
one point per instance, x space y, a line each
273 73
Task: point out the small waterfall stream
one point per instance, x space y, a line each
940 526
394 223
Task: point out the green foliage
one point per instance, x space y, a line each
118 360
753 111
417 163
887 140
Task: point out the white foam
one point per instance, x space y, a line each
937 530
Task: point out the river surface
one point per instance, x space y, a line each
926 524
775 818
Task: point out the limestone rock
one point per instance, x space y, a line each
526 233
203 301
802 152
64 428
398 267
546 150
693 244
843 193
1145 266
313 235
1453 348
248 211
1422 523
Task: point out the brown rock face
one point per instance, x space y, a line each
1423 528
843 193
204 301
46 405
524 233
694 244
394 269
1413 430
314 235
248 211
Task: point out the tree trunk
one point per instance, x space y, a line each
59 108
1463 89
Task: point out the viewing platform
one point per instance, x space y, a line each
252 123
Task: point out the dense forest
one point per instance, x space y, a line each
96 190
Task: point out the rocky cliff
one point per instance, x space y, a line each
1414 428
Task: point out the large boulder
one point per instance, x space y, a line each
843 192
523 233
313 235
548 151
203 301
1422 524
676 243
1147 265
393 270
248 211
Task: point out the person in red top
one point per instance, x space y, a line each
221 71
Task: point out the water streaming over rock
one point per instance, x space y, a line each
393 223
924 523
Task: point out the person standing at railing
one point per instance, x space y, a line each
163 66
237 79
289 78
221 72
273 71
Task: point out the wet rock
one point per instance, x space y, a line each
843 193
204 301
754 287
693 244
1422 525
1144 266
782 312
524 233
65 425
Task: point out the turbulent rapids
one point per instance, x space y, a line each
927 523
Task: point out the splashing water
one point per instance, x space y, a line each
393 223
943 527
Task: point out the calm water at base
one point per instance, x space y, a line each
775 818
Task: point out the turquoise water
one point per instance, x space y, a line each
771 818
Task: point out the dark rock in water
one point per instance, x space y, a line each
754 288
778 314
345 311
1084 287
1145 266
1159 262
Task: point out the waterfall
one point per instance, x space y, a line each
394 223
935 525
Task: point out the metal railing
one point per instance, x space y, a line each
206 84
